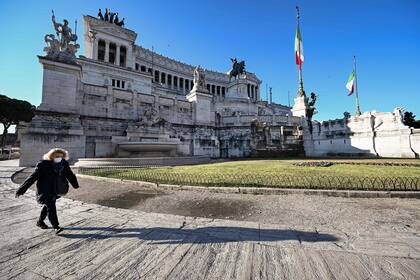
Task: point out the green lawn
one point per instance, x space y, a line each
279 173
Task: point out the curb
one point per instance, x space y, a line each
265 191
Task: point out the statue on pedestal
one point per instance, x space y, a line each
310 110
238 68
199 79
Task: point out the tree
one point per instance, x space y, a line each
409 119
13 111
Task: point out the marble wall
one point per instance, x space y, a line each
373 134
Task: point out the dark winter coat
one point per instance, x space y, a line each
45 176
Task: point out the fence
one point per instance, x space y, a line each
302 180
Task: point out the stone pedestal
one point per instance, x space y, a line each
49 130
202 113
59 86
238 89
300 106
56 123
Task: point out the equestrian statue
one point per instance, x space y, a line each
238 68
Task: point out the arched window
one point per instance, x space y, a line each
181 83
101 50
169 80
175 81
223 91
208 87
213 89
187 84
218 90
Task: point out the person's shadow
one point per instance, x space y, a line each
217 234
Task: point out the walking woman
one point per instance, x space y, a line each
52 175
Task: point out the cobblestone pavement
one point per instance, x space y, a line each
109 243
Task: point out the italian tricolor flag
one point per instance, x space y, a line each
350 84
298 48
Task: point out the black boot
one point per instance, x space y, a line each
58 229
41 224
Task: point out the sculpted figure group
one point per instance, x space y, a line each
62 45
110 17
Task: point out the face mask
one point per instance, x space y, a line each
58 159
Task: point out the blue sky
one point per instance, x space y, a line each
384 35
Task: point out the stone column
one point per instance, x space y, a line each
95 49
129 60
106 51
117 59
282 137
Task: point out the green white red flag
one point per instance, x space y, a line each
350 84
298 48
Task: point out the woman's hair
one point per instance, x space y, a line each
49 155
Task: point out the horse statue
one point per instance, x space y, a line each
238 68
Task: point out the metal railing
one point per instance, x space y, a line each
301 180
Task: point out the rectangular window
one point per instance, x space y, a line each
223 91
143 68
175 81
181 82
169 80
112 53
163 78
137 66
101 50
118 84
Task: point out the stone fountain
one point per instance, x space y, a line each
150 136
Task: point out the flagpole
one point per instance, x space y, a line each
358 113
301 92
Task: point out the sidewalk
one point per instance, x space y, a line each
11 162
104 243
